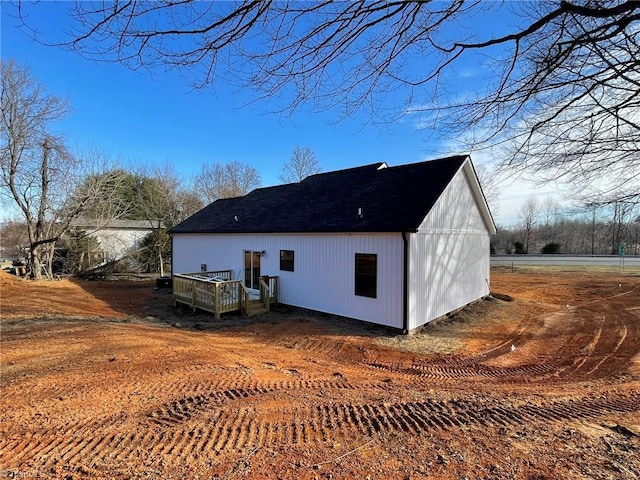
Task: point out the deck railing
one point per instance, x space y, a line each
222 275
213 292
245 296
269 290
217 293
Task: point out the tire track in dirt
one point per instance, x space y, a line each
458 371
605 354
623 335
447 370
32 442
610 297
616 331
215 380
323 347
344 351
586 350
347 352
237 429
585 354
496 351
468 368
184 408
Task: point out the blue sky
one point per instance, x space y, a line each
157 117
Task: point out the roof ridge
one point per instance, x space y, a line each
371 166
450 158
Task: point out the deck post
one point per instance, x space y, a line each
193 295
276 281
217 301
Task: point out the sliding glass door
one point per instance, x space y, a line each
252 269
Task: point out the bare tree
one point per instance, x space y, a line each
634 236
37 172
550 210
187 203
488 179
591 209
563 88
32 160
621 213
302 164
528 218
234 179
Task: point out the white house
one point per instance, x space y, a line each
117 238
396 246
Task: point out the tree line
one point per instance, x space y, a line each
52 187
590 229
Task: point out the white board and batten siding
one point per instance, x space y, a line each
324 268
449 255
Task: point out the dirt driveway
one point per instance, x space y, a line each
109 380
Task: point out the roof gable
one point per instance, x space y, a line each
461 207
371 198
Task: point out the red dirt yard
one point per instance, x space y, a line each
110 380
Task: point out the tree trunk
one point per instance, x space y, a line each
80 266
50 251
35 266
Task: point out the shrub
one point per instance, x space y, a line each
519 248
551 247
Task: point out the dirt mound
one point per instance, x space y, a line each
72 297
7 279
502 296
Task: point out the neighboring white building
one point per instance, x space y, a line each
396 246
117 238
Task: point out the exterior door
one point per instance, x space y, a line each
252 269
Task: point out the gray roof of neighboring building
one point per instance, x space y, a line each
101 224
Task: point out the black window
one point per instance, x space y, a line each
286 260
366 274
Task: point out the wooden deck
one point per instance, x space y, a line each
217 292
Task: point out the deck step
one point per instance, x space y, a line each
255 308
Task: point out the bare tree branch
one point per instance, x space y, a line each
562 93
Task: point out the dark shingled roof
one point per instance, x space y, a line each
392 199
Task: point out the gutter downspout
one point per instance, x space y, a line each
405 284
